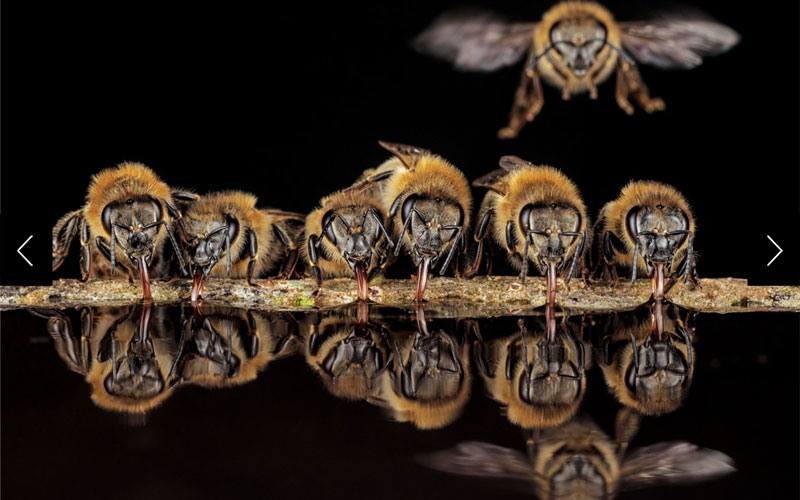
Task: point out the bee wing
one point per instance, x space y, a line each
475 458
676 40
510 163
408 155
494 181
476 40
673 462
281 214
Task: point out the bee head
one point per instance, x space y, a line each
431 223
578 42
658 231
134 223
552 228
209 240
354 230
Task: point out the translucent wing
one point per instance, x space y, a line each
671 463
475 458
476 40
676 40
511 163
493 180
281 214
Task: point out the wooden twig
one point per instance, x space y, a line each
477 297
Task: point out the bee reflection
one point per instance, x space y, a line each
124 353
429 380
647 358
579 460
222 347
537 373
348 352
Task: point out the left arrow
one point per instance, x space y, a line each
19 250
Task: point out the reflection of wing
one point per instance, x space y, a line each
476 41
676 41
474 458
671 463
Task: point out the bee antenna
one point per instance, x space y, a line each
113 250
635 353
228 252
625 57
113 358
635 259
453 352
525 354
535 60
688 343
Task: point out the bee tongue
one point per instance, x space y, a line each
197 284
422 277
145 278
658 281
552 276
361 280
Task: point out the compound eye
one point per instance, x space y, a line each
157 211
327 224
106 216
525 218
407 206
233 226
633 224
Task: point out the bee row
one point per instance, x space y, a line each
416 202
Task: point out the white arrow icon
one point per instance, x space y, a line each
780 250
19 250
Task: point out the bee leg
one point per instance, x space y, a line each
86 252
480 234
252 248
313 246
528 101
630 83
291 259
63 232
565 92
456 241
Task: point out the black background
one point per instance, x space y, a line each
289 100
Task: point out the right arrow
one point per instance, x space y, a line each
780 250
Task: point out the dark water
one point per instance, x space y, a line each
354 403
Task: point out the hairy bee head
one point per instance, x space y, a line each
544 224
134 223
354 230
431 223
578 41
659 231
208 238
432 370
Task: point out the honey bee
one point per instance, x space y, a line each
538 375
349 353
228 225
579 460
537 213
647 358
429 381
346 235
575 47
124 211
223 347
429 203
125 354
648 228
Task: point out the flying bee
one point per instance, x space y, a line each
349 353
345 236
429 203
429 381
647 358
252 241
223 347
124 211
579 460
124 353
648 228
575 47
538 374
537 213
